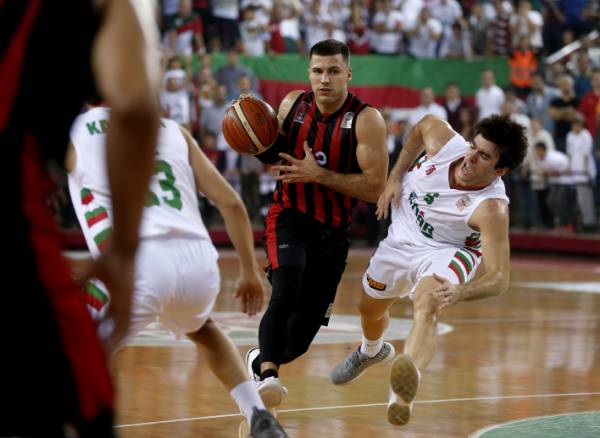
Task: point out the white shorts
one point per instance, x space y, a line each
396 268
177 282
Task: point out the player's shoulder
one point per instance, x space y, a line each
94 112
490 213
369 118
292 97
288 102
93 121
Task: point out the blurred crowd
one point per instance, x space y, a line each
558 102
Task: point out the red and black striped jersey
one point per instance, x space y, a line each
332 138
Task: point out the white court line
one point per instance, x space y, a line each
368 405
480 432
524 319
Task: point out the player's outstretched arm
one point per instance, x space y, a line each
430 134
126 68
491 219
210 182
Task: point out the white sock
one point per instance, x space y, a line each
371 348
246 397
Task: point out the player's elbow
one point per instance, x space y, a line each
231 206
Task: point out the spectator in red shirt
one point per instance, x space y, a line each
590 105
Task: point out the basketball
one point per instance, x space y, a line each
250 125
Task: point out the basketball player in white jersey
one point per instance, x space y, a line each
449 213
177 277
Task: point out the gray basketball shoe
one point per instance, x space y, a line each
356 363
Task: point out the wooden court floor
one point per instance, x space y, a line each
531 352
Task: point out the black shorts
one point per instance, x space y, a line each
292 238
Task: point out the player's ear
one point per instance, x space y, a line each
501 171
349 73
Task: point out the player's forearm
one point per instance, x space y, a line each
240 232
488 285
131 142
357 185
410 151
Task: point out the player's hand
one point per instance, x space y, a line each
298 171
391 195
116 271
446 292
251 290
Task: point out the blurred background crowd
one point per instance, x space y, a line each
537 60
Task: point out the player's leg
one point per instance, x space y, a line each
186 306
227 365
319 287
373 350
381 287
418 351
326 257
421 341
455 264
286 284
286 252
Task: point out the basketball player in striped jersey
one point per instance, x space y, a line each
333 152
449 216
177 276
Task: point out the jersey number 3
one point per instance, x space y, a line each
167 185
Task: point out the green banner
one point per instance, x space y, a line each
382 71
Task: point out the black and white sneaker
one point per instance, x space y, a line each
252 354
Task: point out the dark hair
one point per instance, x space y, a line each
330 47
508 136
541 145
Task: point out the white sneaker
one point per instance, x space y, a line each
250 356
404 384
271 391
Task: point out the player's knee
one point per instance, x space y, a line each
200 335
296 350
286 281
425 306
372 308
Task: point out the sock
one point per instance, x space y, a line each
268 373
371 348
256 365
246 397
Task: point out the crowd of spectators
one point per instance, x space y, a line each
559 103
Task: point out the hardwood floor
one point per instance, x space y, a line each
533 351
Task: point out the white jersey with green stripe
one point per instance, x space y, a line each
171 205
434 210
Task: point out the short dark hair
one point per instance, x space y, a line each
330 47
541 145
508 136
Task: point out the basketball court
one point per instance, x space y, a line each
532 352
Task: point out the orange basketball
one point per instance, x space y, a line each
250 125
